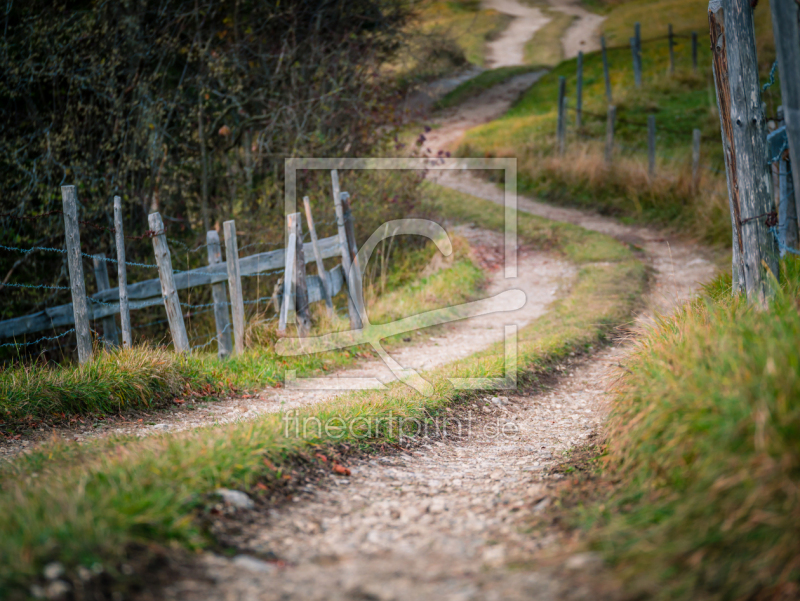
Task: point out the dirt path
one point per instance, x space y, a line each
509 48
582 34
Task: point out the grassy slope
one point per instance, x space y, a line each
680 103
88 504
481 83
703 442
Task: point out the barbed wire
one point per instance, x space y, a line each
35 286
57 336
771 81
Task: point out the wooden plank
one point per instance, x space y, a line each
110 334
318 257
168 290
785 19
651 145
579 92
235 285
220 296
295 224
205 276
80 308
355 318
610 120
759 251
122 276
606 75
561 127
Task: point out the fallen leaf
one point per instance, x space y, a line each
261 486
287 477
178 401
340 469
320 456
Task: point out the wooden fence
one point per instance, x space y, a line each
299 288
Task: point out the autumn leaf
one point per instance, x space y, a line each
340 469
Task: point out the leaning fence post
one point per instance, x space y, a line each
694 51
235 285
295 224
737 85
80 307
671 50
110 334
606 75
695 158
651 145
220 296
561 129
612 116
350 230
168 291
324 276
785 15
122 276
579 93
355 318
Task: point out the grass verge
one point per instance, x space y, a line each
481 83
89 505
545 47
703 450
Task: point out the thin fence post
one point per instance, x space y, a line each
80 305
168 291
637 66
220 297
671 50
606 75
350 230
561 129
295 224
323 274
110 334
612 116
235 285
638 36
787 210
579 93
651 145
355 318
694 51
785 15
742 116
288 283
695 158
122 276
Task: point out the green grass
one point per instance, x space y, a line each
680 102
88 504
703 447
545 47
477 85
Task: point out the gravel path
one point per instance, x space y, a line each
509 48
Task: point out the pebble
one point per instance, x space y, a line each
236 498
53 570
584 561
252 564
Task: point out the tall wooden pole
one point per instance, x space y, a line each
785 19
744 142
288 283
110 334
122 276
579 92
168 290
355 318
323 274
561 129
295 225
606 75
235 285
220 296
80 307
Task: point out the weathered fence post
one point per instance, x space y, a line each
295 224
122 276
605 69
110 334
234 285
612 116
168 291
561 129
579 93
350 230
785 15
787 210
694 51
80 306
323 274
637 63
744 132
671 50
651 145
349 278
220 296
638 37
637 34
695 158
288 283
